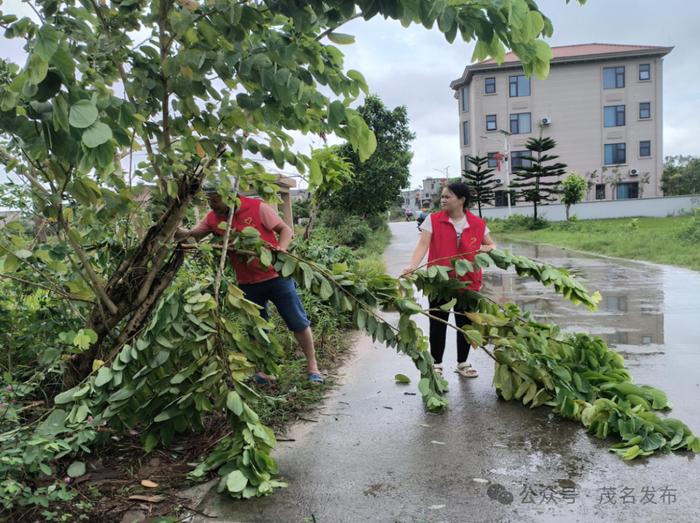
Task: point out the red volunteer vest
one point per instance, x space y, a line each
247 215
443 244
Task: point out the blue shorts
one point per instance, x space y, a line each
283 293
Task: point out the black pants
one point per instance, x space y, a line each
438 331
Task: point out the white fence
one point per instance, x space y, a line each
669 206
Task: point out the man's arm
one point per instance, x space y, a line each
198 232
285 234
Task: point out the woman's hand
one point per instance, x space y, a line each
487 247
408 270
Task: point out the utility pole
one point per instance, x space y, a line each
506 148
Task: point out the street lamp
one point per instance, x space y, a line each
506 158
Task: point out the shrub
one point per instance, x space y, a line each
516 222
691 233
354 232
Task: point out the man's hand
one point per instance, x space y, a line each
487 247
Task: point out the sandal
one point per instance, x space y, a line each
466 370
263 379
315 377
438 369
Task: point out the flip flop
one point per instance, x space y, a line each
315 377
262 379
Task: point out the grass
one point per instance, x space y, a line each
672 240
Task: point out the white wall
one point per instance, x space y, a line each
669 206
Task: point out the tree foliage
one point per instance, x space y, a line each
539 182
377 182
681 175
481 180
573 189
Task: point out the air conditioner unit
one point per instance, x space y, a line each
634 172
545 120
499 182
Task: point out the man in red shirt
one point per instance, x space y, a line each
261 284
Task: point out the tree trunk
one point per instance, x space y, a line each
313 211
567 212
137 284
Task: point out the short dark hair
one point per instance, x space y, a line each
461 190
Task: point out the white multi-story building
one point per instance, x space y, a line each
601 103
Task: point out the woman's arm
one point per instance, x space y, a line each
487 244
418 252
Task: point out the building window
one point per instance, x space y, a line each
600 191
520 123
465 99
615 153
644 72
465 132
490 85
500 199
518 160
491 124
644 110
613 77
627 191
519 85
645 148
613 115
493 160
466 162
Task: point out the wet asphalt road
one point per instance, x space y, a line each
374 454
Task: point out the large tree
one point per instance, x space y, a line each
481 180
377 182
681 175
537 180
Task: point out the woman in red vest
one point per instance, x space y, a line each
261 284
451 233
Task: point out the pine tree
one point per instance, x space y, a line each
481 181
539 183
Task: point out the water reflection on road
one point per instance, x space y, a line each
630 313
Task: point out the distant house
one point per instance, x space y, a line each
602 103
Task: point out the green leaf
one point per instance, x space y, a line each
341 38
315 174
76 469
482 260
37 68
46 43
265 256
23 253
402 378
288 268
462 267
234 403
83 114
97 134
326 290
336 113
150 442
104 376
359 78
448 306
236 481
9 263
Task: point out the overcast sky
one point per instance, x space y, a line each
414 67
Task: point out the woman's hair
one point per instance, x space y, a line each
461 190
